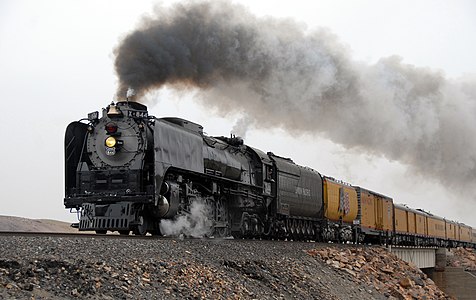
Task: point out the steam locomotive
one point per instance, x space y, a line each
127 171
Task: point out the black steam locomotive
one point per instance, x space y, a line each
126 171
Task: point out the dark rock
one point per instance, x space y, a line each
418 280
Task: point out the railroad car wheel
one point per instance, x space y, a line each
141 229
309 231
290 226
294 229
300 229
221 218
245 227
312 232
124 232
101 231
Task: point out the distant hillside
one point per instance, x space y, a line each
8 223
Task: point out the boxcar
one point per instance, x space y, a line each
436 230
401 219
375 214
340 201
451 232
340 207
404 224
421 225
465 233
412 230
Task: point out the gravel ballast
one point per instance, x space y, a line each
127 268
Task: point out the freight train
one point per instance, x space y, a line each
127 171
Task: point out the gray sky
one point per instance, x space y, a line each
56 65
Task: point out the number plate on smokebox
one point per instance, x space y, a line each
137 114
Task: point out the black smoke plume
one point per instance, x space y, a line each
280 74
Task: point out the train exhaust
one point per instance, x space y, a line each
280 74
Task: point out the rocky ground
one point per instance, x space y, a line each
462 258
149 268
58 268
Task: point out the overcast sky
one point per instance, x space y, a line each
56 65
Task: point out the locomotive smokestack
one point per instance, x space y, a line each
130 94
278 74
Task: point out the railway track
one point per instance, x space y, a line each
150 237
78 235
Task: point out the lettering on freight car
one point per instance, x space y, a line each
284 209
344 201
303 191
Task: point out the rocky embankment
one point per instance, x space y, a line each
106 268
388 274
462 258
117 268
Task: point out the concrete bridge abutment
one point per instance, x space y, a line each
440 263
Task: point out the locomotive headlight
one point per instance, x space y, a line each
111 142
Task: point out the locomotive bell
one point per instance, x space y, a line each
113 111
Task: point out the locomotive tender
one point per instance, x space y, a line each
126 171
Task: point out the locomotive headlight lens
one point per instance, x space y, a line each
111 142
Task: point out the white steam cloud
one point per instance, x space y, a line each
195 224
242 126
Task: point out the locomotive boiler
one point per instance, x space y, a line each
126 171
